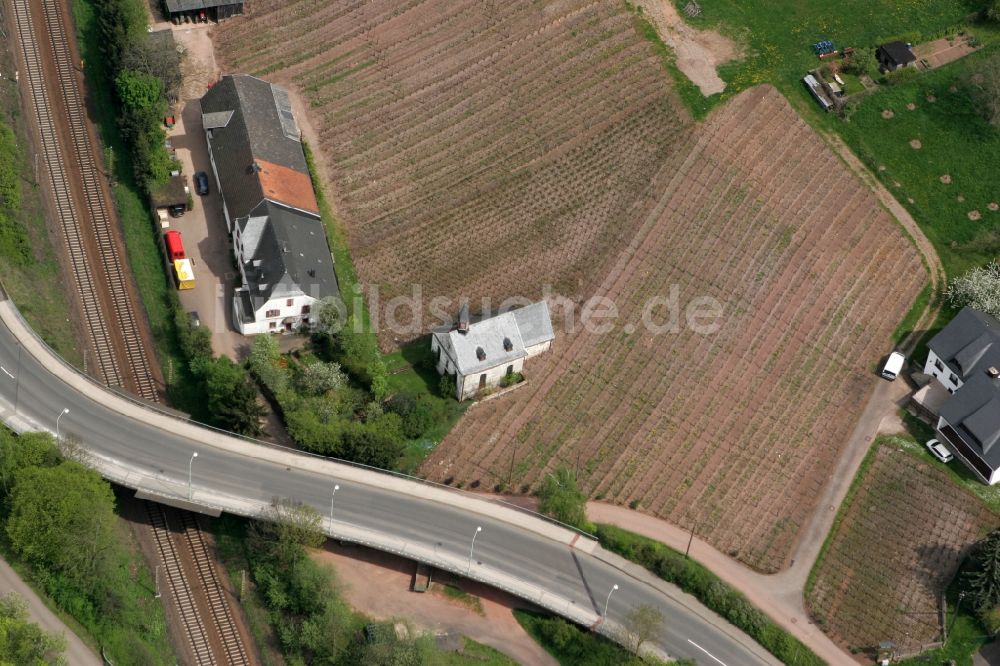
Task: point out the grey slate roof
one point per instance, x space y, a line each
534 323
260 127
293 253
974 410
898 52
192 5
969 344
489 335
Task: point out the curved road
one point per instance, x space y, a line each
144 449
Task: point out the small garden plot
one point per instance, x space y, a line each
899 539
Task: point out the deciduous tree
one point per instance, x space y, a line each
62 518
984 81
22 642
979 288
232 396
561 498
642 624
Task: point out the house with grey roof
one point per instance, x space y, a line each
965 359
482 353
269 205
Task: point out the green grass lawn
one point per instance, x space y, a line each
777 39
954 141
778 35
410 371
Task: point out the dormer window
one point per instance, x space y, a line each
508 346
480 353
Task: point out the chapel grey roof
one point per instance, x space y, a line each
260 125
534 323
969 343
489 335
292 251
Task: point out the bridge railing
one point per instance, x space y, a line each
173 414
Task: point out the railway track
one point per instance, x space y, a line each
228 634
95 205
219 624
93 315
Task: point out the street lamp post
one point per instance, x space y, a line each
608 600
336 487
472 548
63 413
190 464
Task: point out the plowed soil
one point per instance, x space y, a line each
733 433
477 149
485 149
901 539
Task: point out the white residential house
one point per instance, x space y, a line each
964 358
271 211
480 354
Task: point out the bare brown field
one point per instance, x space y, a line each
485 149
478 149
900 541
735 432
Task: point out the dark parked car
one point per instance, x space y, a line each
178 210
201 182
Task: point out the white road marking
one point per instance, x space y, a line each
706 652
5 372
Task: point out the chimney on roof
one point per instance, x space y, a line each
508 345
993 372
463 320
480 353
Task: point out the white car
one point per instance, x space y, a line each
939 451
893 365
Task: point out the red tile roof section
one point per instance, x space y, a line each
287 186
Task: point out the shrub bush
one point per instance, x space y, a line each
698 581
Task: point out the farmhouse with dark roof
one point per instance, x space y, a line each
269 205
965 358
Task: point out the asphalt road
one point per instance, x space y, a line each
572 573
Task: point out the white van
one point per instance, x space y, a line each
893 365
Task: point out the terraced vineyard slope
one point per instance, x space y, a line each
734 432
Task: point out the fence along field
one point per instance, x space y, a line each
899 543
734 433
476 148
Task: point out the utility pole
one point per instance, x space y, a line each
156 582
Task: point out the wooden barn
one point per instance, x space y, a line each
178 11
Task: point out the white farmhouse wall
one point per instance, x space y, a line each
468 385
266 321
939 369
539 348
